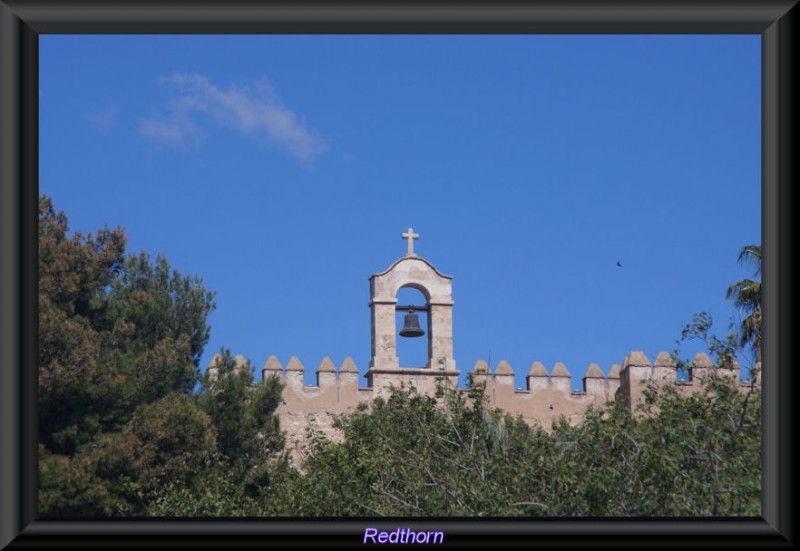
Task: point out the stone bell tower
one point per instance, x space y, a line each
416 272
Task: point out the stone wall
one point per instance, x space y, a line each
547 396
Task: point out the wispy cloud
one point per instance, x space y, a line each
254 111
105 119
178 130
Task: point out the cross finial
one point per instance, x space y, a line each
410 236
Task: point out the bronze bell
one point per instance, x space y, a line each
411 326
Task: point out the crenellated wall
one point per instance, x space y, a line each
314 407
548 394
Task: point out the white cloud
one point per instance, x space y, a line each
180 130
255 112
105 119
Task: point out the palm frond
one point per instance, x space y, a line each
745 293
750 256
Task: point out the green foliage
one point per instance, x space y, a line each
168 441
746 334
746 295
243 416
73 275
171 441
235 472
723 351
696 455
217 491
160 316
122 432
119 344
413 455
214 492
69 488
114 331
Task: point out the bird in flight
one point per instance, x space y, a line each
619 264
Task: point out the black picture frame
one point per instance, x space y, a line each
21 21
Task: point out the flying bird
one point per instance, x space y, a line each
619 264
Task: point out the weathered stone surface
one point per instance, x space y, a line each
212 368
538 370
417 273
594 384
546 398
503 377
702 360
664 368
295 374
701 367
560 379
756 373
594 372
348 366
326 365
326 372
410 236
560 370
480 367
731 369
294 365
538 380
636 359
613 382
239 365
273 364
664 360
503 368
271 367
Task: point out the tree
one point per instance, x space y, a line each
746 295
243 414
74 273
453 455
170 440
120 339
122 431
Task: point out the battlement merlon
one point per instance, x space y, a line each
240 364
538 379
547 394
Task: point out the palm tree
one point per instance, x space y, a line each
746 296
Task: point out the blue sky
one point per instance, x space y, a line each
283 170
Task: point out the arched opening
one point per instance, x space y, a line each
412 352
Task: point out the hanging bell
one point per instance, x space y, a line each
411 326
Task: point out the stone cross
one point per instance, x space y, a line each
411 236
